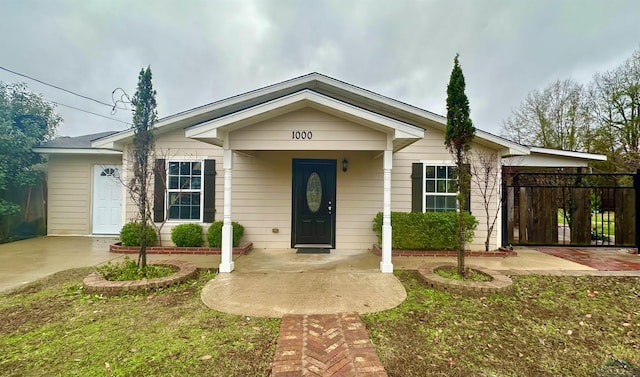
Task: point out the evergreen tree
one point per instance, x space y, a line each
142 154
458 136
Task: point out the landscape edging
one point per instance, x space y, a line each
119 249
500 284
96 284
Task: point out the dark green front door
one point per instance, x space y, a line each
313 203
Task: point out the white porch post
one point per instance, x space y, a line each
226 263
385 263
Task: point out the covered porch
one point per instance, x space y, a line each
306 170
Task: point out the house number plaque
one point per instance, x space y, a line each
301 135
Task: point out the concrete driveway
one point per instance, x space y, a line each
28 260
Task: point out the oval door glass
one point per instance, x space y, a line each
314 192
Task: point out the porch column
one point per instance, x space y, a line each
226 263
385 263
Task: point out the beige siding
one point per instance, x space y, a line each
261 199
328 133
432 148
69 185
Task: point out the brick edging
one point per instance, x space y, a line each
94 283
500 284
119 249
445 253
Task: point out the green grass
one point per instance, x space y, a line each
549 326
51 328
605 221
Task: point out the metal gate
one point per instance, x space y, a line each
572 209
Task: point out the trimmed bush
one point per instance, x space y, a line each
425 231
131 232
187 235
214 234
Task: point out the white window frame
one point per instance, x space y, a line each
435 164
167 190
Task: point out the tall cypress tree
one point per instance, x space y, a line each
458 136
144 117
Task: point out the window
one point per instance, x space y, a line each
184 190
440 188
189 193
433 188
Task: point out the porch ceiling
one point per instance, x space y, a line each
217 131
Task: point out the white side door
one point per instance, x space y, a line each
107 199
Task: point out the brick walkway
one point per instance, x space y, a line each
325 345
592 258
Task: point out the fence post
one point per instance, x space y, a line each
636 188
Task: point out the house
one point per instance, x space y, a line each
303 163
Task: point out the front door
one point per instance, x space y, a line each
314 204
107 199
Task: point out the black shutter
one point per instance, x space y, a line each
417 196
209 191
159 183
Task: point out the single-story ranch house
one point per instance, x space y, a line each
304 163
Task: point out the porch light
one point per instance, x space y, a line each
345 165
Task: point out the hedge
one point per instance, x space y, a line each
214 234
425 231
187 235
131 232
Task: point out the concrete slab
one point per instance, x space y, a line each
272 283
527 259
24 261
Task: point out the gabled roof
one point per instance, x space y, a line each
329 87
77 144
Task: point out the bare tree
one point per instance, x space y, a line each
557 117
485 176
615 107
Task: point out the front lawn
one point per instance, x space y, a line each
51 329
549 326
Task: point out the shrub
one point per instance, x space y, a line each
214 234
425 231
131 232
187 235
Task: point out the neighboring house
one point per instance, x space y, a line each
304 163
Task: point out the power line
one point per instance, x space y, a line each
89 112
59 88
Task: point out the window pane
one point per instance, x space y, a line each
451 186
173 198
195 213
173 168
442 186
185 199
430 204
185 168
442 171
440 201
430 171
196 168
174 211
431 186
451 203
184 183
173 183
195 183
195 199
451 172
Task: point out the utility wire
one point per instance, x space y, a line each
89 112
59 88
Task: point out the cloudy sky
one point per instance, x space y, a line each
201 51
